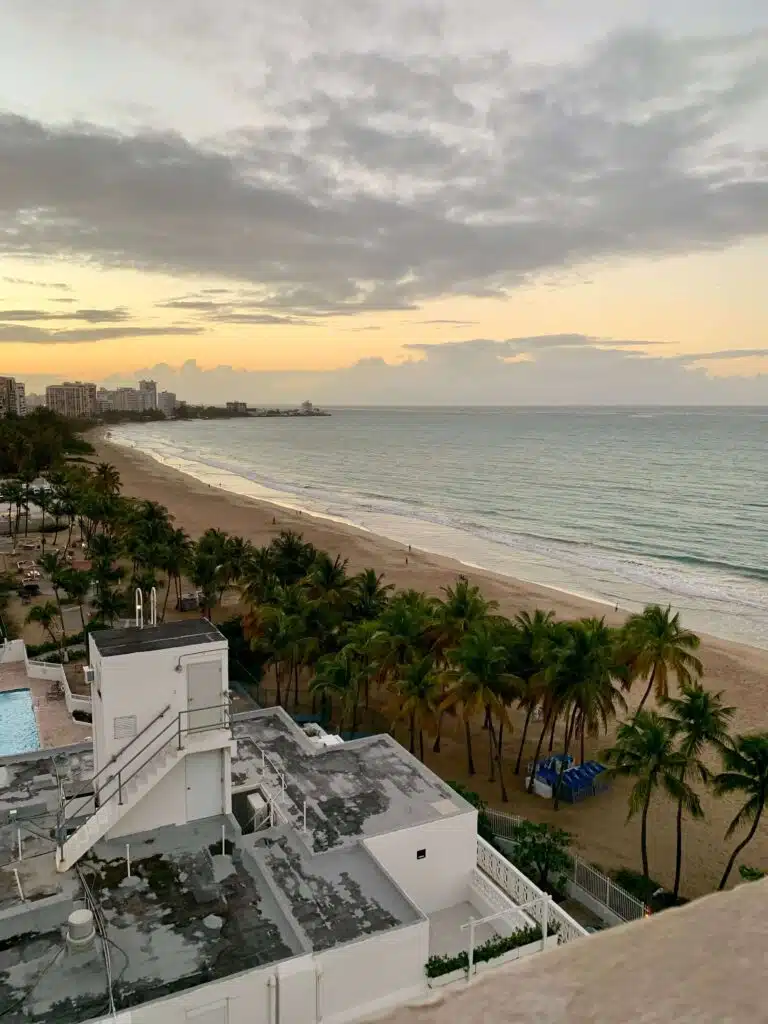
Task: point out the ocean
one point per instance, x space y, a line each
625 506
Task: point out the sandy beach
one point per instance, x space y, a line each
601 831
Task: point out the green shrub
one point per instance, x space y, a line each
490 950
33 650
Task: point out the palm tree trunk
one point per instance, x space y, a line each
491 753
539 745
82 617
278 694
570 725
740 847
522 741
295 686
167 595
644 835
470 760
436 744
552 733
678 848
421 745
648 689
504 795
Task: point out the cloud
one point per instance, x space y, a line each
725 353
380 180
91 316
41 336
452 323
37 284
475 372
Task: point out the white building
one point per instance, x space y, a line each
166 403
73 399
237 871
12 397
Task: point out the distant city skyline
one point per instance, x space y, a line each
418 202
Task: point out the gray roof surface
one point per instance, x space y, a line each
131 640
361 788
191 914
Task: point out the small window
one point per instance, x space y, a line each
125 727
421 854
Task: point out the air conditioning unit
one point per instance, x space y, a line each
89 674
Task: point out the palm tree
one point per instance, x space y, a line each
53 564
339 675
108 605
645 751
370 594
174 558
42 497
77 585
699 719
106 479
405 632
477 681
657 645
527 663
417 693
292 557
587 676
45 616
746 772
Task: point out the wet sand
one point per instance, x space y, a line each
602 833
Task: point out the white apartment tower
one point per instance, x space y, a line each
73 399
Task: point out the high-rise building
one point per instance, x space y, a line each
127 400
12 397
166 403
148 393
73 399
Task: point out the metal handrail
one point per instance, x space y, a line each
64 818
88 784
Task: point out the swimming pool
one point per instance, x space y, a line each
18 725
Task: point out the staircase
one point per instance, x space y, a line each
123 783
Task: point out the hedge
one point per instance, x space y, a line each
445 963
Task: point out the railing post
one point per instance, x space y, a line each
471 956
544 921
179 725
119 786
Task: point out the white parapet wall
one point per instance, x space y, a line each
15 652
12 652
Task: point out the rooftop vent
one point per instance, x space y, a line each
81 932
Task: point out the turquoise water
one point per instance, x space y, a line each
18 725
622 505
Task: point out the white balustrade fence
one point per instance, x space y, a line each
523 891
599 886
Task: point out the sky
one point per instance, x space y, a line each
418 201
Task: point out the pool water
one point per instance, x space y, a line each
18 725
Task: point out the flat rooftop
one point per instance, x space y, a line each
361 788
132 640
190 913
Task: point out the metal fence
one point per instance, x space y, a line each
599 886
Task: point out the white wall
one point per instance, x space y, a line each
358 979
442 878
142 684
365 977
12 651
165 804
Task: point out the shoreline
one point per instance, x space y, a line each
600 828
